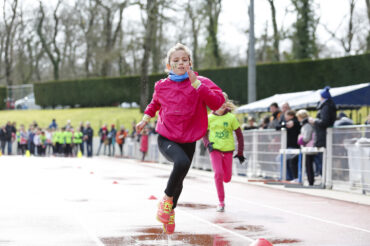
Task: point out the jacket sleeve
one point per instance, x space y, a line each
153 106
239 137
325 117
210 93
307 133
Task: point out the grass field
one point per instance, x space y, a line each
96 116
109 115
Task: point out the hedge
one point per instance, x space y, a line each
2 97
272 78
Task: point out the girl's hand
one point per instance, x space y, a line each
140 126
191 74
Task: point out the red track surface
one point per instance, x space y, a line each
101 201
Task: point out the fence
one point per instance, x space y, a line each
346 165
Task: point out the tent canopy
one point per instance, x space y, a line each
353 96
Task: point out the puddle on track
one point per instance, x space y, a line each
155 236
285 241
195 205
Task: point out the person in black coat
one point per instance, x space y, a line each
293 128
88 138
326 116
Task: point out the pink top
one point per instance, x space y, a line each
183 109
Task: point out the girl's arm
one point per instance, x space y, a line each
149 113
239 137
208 91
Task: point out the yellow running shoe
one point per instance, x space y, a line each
164 210
169 228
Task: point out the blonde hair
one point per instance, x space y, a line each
177 47
229 104
303 114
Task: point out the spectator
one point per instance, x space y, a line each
77 141
103 134
31 134
275 117
68 126
120 138
49 141
306 139
8 136
144 142
326 116
284 108
2 138
37 142
251 124
112 140
23 139
343 120
265 122
293 129
88 138
53 124
82 130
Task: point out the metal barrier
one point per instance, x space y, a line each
348 158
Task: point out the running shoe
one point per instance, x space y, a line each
164 210
169 228
220 208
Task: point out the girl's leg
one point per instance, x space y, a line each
181 155
227 166
309 169
217 165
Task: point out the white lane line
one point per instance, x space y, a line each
217 226
292 212
87 230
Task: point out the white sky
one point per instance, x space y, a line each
234 20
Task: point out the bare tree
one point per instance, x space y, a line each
51 48
10 31
213 10
345 41
368 18
151 9
196 16
110 35
276 31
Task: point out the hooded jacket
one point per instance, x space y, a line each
183 109
326 116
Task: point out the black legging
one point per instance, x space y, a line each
181 154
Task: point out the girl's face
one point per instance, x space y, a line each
179 61
222 109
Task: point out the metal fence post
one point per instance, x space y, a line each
254 153
283 145
329 159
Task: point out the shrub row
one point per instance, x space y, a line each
271 79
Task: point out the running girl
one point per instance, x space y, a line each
182 99
220 142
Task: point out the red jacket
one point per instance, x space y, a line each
183 109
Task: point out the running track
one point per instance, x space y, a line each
104 201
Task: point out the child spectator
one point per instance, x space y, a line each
144 143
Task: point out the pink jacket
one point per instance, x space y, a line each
183 109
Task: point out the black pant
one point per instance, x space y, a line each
309 169
181 154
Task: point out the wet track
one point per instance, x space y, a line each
102 201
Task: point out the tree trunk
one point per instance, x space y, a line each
150 26
10 30
213 9
276 31
368 18
53 56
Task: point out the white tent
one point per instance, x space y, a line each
346 96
